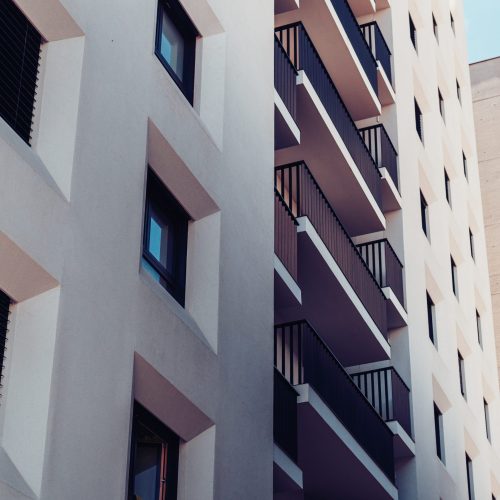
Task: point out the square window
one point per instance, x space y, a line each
176 44
154 458
20 46
165 238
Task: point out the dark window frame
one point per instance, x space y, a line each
189 33
454 276
159 200
461 375
442 109
470 477
431 319
459 92
466 169
447 188
435 27
424 215
413 33
487 419
479 329
419 121
439 433
170 456
471 243
452 22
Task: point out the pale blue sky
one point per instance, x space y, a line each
482 18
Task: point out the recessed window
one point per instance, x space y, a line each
471 244
438 431
454 277
487 419
470 477
435 27
441 104
154 458
459 93
165 238
413 33
466 169
479 329
452 22
4 323
424 214
461 375
419 121
19 55
447 187
431 319
176 44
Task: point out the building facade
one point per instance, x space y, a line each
485 79
387 280
217 287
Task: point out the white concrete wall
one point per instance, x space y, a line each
74 205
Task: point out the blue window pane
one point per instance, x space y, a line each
147 463
155 239
172 46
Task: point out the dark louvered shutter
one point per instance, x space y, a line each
19 59
4 323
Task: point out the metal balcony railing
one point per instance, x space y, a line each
380 50
353 30
382 149
285 235
304 56
285 415
385 266
302 357
304 197
285 78
388 394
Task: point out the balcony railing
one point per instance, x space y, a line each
285 415
302 357
285 235
385 266
285 78
304 197
383 152
388 394
304 56
353 30
378 46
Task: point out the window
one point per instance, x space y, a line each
441 104
435 27
454 277
487 419
165 238
461 374
471 242
447 187
479 329
438 430
470 477
459 93
19 52
424 214
452 22
176 44
413 33
154 458
4 323
466 170
419 121
431 319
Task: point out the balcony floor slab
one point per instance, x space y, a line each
404 447
333 462
397 317
386 93
286 131
287 476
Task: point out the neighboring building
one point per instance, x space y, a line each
413 327
136 247
485 79
137 272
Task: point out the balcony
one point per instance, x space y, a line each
385 156
349 61
330 140
285 99
387 270
390 396
286 290
381 52
332 275
338 429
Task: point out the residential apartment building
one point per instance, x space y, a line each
485 79
383 310
148 287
